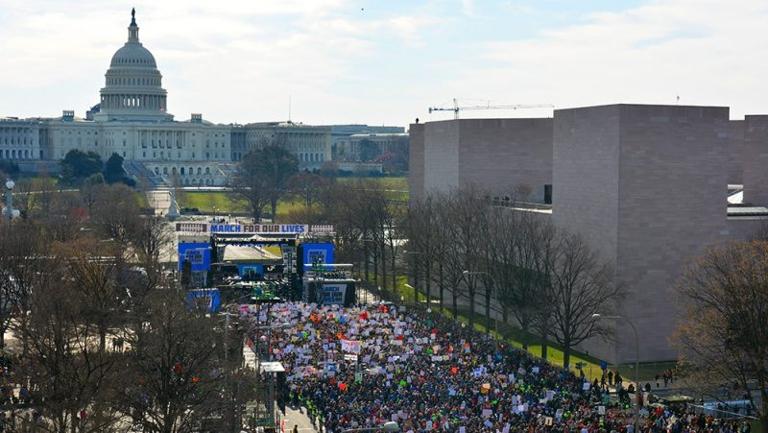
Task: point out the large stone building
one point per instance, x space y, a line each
20 139
647 186
310 144
364 148
506 157
132 120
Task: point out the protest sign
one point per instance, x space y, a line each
350 346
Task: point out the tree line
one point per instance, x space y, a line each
101 336
462 252
271 173
80 167
544 280
723 331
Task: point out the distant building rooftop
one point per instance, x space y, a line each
747 211
380 134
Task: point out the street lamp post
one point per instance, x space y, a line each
388 427
9 184
415 293
598 316
488 303
231 425
366 261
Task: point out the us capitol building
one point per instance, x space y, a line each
132 120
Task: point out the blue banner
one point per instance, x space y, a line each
207 298
197 253
317 253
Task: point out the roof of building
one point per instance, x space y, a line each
747 211
243 254
284 124
133 54
380 134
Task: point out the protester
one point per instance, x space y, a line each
360 367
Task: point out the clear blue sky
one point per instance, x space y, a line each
386 61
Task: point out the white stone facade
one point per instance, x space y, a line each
131 120
645 185
351 148
310 144
168 147
19 139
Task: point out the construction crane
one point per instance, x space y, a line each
456 108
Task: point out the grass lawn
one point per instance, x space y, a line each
141 199
206 202
225 203
395 183
284 207
397 187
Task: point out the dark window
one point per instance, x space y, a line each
548 194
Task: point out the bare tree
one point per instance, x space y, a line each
394 217
448 231
262 178
423 230
150 237
22 262
116 212
308 187
580 285
466 218
724 334
93 268
360 213
63 358
172 378
250 184
528 276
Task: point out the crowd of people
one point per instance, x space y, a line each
360 367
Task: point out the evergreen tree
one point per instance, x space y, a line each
113 169
78 165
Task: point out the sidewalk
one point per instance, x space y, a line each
294 417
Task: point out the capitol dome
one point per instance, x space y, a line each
133 54
133 88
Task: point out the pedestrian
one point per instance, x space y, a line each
295 428
610 378
24 395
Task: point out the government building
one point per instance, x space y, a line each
132 120
648 187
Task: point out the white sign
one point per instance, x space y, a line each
293 229
350 346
